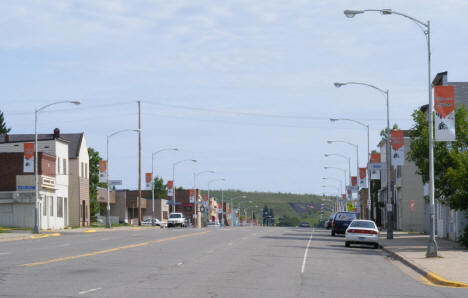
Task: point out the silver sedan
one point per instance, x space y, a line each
362 232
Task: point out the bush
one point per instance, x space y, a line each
463 240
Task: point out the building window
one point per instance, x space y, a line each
82 169
86 171
58 165
59 207
64 166
44 207
51 206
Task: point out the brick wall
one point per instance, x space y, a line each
11 165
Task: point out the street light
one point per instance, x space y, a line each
108 224
195 176
152 176
209 182
387 153
340 169
345 157
432 247
36 178
368 153
173 180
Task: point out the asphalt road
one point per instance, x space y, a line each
229 262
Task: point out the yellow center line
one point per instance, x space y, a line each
100 252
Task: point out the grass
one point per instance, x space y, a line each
4 231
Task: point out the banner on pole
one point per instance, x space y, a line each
170 188
374 174
28 163
362 177
397 142
444 106
343 196
354 184
148 179
102 171
192 196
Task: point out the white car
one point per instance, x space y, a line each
362 232
157 222
212 224
176 219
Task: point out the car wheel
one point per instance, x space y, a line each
376 246
333 233
346 244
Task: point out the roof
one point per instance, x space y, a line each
73 139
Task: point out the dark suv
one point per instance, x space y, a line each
341 222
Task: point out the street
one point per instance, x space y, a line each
226 262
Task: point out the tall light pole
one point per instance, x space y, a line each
368 157
173 180
36 177
340 169
152 177
232 206
387 153
345 157
108 224
432 247
209 182
195 176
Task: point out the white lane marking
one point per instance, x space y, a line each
230 243
179 264
89 291
104 239
4 253
305 254
65 244
210 251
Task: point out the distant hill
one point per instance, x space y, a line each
305 207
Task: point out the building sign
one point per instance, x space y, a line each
397 141
362 177
148 179
103 171
444 106
192 196
28 164
170 188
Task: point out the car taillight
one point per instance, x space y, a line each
357 231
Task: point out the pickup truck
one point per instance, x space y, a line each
176 220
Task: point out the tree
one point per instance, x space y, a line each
3 127
450 159
160 188
271 217
384 132
94 158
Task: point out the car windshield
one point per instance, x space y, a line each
362 224
345 216
175 216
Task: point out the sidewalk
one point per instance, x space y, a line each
449 269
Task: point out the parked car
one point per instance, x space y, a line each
157 222
341 222
362 232
176 219
304 225
329 222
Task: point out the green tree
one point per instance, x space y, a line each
384 132
3 127
450 159
94 158
160 188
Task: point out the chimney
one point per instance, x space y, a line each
56 133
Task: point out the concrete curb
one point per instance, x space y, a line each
434 278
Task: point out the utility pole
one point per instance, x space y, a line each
139 162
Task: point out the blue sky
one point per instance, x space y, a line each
245 87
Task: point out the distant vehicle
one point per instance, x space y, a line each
341 222
176 219
362 232
304 225
212 224
329 222
157 222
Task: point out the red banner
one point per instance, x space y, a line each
444 102
28 150
205 198
343 196
102 166
170 184
375 157
353 180
148 177
397 139
362 173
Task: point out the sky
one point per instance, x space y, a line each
244 87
